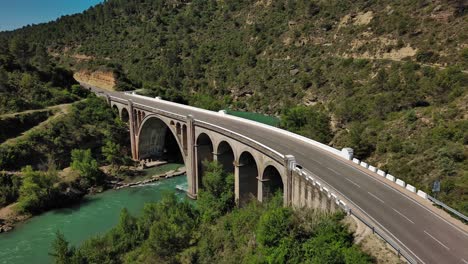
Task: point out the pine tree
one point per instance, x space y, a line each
60 249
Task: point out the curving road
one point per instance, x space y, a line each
415 226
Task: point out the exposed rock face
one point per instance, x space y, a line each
103 79
5 227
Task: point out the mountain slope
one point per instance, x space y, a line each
390 77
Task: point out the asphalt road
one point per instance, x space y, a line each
426 235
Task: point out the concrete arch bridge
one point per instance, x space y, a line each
265 160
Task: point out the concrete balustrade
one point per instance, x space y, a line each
356 161
335 198
372 168
381 173
411 188
222 112
364 165
319 185
326 191
401 183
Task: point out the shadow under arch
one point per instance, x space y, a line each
248 174
156 140
272 182
115 109
125 116
225 156
204 153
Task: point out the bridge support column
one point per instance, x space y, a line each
303 188
191 159
131 124
309 195
260 188
323 201
316 201
333 205
296 190
236 181
288 164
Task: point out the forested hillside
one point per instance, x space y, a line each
29 79
387 78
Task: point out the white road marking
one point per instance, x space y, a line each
399 192
436 240
333 170
376 197
464 261
353 182
402 215
318 162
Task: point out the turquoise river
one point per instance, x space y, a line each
30 242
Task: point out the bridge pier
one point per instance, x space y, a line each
190 159
261 185
236 182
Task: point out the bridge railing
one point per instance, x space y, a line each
276 129
448 208
352 209
243 139
382 235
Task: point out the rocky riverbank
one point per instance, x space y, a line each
9 218
154 178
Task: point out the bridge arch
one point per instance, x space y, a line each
115 109
225 156
272 182
156 139
124 115
248 177
204 146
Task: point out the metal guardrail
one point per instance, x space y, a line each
346 207
448 208
383 236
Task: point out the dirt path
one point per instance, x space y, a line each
435 66
62 110
53 107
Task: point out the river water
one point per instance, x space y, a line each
30 242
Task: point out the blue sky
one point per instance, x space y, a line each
17 13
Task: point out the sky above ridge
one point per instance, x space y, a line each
18 13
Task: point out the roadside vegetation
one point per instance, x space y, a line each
214 230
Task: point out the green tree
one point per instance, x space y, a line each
113 154
273 226
20 49
37 190
216 197
41 58
83 162
9 188
308 122
172 231
60 249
